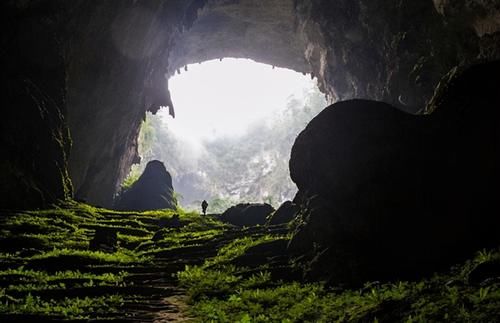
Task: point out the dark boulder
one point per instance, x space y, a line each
152 191
284 214
248 214
105 239
389 195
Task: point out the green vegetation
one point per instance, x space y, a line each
48 269
67 308
225 295
230 274
227 171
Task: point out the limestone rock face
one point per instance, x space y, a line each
263 30
152 191
482 15
390 195
33 134
116 72
104 64
394 52
247 214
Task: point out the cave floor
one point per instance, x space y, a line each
49 270
78 263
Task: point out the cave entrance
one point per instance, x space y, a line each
236 121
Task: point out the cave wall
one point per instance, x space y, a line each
388 50
116 72
103 64
33 133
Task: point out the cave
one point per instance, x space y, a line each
114 59
80 76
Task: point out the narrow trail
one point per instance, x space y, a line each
162 299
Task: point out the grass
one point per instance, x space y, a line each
67 308
221 295
47 270
120 256
238 248
45 254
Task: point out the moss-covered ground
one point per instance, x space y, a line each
48 272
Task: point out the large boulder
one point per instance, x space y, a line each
152 191
389 195
284 214
247 214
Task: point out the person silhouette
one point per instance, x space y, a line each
204 206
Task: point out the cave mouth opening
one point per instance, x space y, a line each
236 121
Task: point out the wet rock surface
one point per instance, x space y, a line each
152 191
390 195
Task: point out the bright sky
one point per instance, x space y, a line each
217 98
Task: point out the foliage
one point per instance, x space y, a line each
226 171
223 295
50 261
121 256
68 308
45 256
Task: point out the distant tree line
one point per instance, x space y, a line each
225 171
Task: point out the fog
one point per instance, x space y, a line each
235 124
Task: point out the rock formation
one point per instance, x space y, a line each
152 191
33 133
389 195
105 63
247 214
284 214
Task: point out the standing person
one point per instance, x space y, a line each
204 206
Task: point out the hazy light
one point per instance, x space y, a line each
222 98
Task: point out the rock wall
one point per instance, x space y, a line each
34 136
394 51
117 61
104 62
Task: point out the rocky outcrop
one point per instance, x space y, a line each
389 195
152 191
284 214
247 214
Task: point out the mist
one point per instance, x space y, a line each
230 147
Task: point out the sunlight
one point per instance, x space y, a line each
223 98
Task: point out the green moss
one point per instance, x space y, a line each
87 256
224 296
67 308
